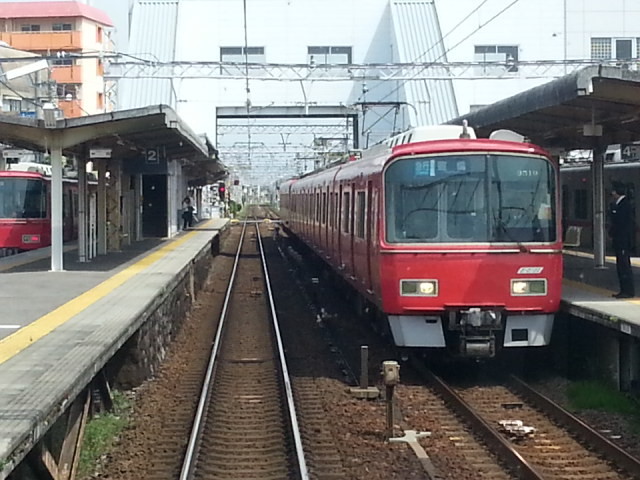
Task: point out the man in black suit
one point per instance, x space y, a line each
621 233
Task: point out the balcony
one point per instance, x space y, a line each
37 41
70 108
67 74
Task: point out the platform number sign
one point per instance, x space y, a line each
152 156
630 151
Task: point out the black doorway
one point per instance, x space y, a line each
154 205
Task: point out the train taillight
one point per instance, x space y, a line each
30 238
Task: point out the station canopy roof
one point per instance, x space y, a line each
562 114
128 133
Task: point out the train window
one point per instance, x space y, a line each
466 210
332 206
318 208
346 210
360 213
581 204
470 198
324 208
22 198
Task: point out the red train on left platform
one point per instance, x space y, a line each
453 242
25 210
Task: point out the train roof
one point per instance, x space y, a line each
585 166
19 174
467 145
427 140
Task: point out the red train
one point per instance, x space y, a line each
577 199
25 211
453 242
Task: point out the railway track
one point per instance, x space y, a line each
245 425
482 431
534 437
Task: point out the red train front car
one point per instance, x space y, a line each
454 242
24 219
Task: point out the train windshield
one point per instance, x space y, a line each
22 198
470 198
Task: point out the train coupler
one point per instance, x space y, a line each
478 346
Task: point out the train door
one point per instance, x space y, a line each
351 229
368 237
67 213
359 236
334 216
565 209
325 223
155 205
317 229
341 258
631 193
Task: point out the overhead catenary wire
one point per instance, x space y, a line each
441 40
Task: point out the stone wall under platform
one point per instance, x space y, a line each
141 356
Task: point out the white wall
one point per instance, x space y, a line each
538 28
285 28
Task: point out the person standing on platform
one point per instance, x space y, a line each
187 213
621 232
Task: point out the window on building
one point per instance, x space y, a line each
30 28
99 37
600 48
62 62
329 55
476 107
504 55
11 104
624 49
100 101
237 54
62 27
66 91
607 48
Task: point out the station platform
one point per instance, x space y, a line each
587 293
58 329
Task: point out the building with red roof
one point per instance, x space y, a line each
72 36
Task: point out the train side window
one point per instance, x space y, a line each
345 212
332 206
66 205
324 208
318 207
581 204
360 214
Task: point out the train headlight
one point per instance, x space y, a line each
531 287
419 288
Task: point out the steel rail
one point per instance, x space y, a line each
608 449
196 429
490 435
295 428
